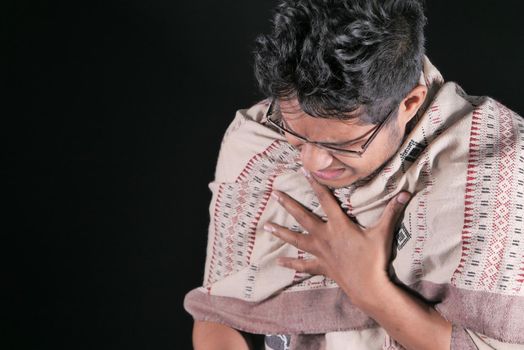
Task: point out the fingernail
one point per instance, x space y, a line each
275 196
305 172
403 198
269 228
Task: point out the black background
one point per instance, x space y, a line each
117 112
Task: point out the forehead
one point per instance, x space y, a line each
291 111
321 129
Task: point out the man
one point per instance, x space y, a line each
366 204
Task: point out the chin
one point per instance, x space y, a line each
339 183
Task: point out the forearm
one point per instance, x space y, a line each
214 336
407 319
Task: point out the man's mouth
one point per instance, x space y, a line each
329 174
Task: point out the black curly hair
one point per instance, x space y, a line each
335 56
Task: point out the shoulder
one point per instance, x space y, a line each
253 116
249 142
498 128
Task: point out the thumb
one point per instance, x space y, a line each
393 211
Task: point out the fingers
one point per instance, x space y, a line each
325 197
303 216
306 266
393 211
298 240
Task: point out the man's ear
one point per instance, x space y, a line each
410 104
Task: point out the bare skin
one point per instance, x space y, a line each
214 336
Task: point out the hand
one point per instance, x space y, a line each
354 257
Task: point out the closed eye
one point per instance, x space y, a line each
329 144
348 143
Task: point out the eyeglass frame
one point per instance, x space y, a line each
331 149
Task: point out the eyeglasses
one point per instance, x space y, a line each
277 123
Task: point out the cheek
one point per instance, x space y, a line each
386 140
354 165
293 141
376 154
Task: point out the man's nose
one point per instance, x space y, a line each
315 158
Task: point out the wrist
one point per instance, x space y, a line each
371 293
210 335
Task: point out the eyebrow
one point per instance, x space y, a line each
341 143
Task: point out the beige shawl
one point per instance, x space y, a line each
460 244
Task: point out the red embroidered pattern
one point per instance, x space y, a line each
490 260
237 211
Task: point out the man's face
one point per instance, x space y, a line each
336 170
